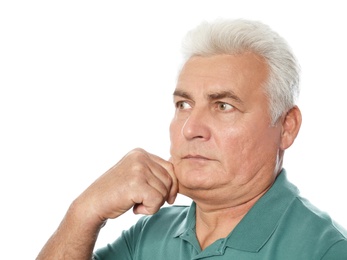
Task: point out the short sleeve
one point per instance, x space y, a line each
337 252
123 248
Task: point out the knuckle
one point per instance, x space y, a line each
137 168
138 153
135 181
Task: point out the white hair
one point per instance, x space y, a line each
239 36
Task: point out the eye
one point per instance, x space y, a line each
224 106
182 105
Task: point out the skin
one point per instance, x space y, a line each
223 143
140 180
225 150
225 155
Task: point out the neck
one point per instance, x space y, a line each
219 222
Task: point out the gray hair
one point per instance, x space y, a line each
239 36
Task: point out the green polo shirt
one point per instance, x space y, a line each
280 226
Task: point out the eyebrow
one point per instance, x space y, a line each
211 96
181 93
224 94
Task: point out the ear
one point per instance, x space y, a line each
290 127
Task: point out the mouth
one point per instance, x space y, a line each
195 157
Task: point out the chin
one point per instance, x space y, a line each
196 180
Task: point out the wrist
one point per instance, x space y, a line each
83 214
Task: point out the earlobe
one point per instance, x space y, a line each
290 127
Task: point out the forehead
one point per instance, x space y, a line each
242 74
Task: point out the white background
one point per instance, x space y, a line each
84 82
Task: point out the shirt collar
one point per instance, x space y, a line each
255 229
188 223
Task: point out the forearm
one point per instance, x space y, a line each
140 180
74 239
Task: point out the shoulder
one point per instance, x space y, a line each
317 220
337 251
315 229
148 233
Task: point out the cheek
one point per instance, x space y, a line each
234 146
175 133
173 129
247 149
260 155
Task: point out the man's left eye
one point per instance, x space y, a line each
224 106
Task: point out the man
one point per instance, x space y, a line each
235 116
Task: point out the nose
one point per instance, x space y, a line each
197 126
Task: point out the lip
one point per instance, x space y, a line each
197 157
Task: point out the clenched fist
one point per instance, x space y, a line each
140 180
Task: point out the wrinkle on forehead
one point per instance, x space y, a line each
225 73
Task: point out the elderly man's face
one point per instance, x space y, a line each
222 141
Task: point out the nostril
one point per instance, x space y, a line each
196 129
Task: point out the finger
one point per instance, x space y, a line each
168 166
159 179
145 164
149 201
175 186
161 168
